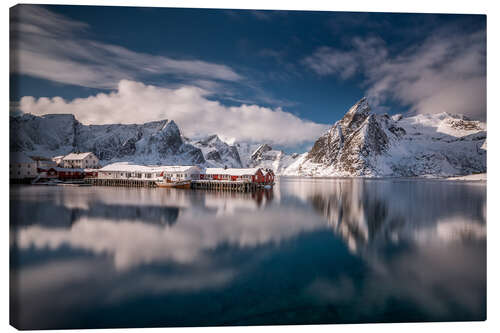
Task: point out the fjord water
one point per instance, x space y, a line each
308 251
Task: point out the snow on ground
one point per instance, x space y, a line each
475 177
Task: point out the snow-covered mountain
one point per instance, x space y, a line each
265 157
158 142
362 143
366 144
218 153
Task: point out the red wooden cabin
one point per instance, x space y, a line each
63 173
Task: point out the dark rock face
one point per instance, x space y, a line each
261 151
260 155
351 141
214 156
128 148
465 124
168 139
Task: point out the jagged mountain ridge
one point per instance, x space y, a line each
217 152
157 142
364 144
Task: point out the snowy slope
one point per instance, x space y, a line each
366 144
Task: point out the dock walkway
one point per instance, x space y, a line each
224 185
209 185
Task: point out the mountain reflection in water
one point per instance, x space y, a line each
308 251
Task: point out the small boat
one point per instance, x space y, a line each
185 184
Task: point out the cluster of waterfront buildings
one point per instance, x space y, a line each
81 166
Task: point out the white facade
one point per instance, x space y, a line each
141 172
80 160
22 167
178 173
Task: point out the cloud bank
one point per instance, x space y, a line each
50 46
444 73
189 106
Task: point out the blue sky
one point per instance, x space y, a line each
239 66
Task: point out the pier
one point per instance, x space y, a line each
222 185
209 185
120 182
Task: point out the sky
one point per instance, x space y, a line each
281 77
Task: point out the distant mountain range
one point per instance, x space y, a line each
360 144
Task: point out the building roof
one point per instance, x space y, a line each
125 167
76 156
20 158
232 171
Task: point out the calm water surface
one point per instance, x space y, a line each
309 251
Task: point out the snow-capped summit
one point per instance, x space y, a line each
217 152
360 109
366 144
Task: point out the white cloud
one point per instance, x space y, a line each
444 73
326 61
49 46
189 106
186 242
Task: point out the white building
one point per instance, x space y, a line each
22 166
177 173
80 160
142 172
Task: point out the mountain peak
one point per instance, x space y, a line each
264 148
356 114
171 126
361 107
